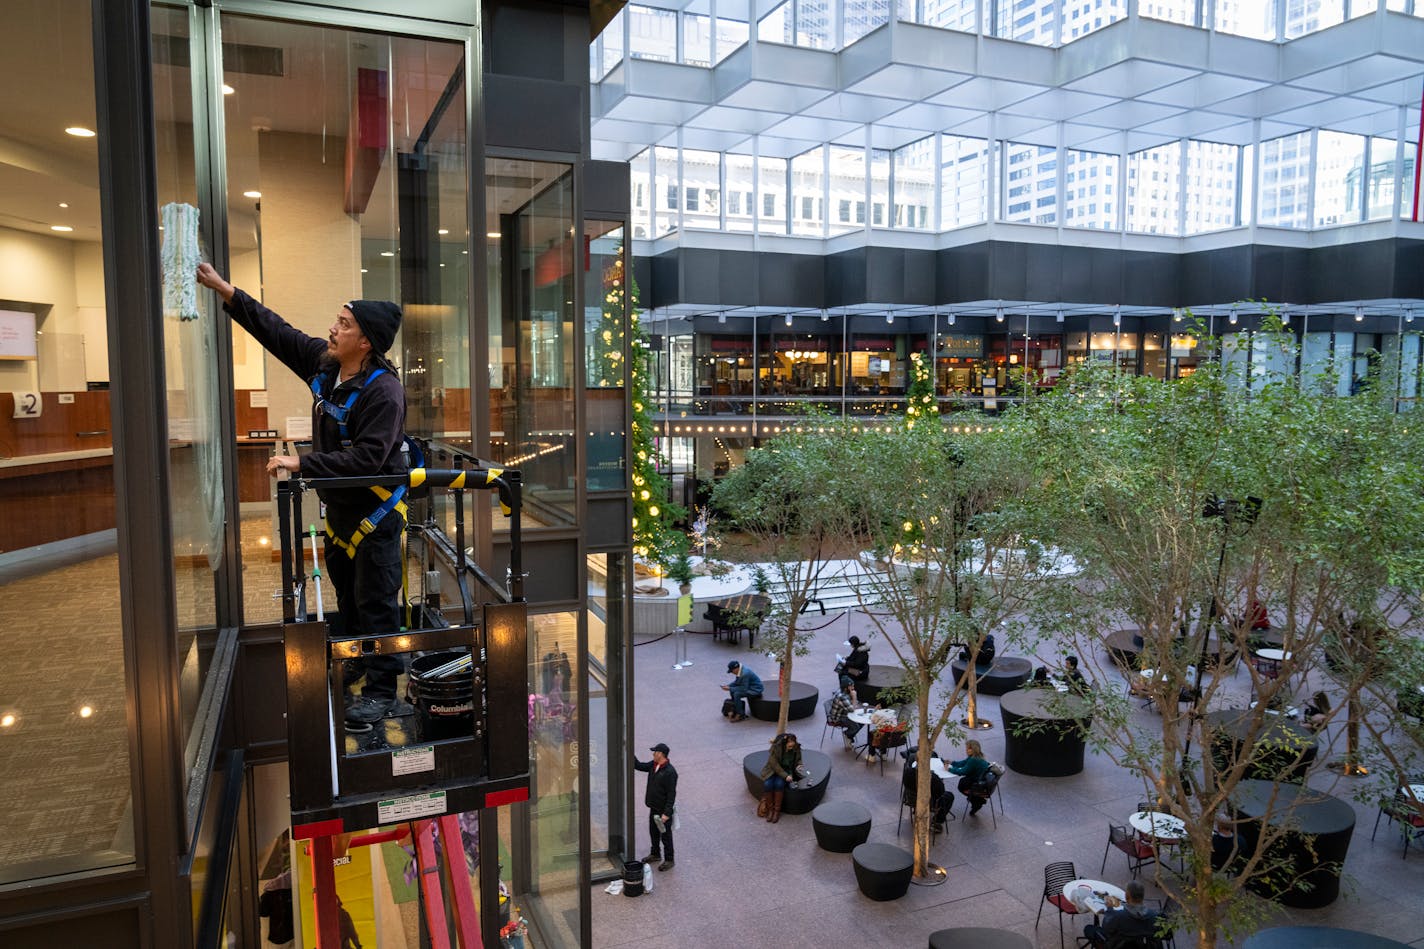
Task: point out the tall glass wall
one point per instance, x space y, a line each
64 740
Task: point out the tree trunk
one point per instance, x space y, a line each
784 678
924 748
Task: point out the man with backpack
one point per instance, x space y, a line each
358 421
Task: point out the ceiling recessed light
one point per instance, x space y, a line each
388 253
443 231
62 228
493 235
79 131
85 711
7 720
64 204
228 90
364 270
252 194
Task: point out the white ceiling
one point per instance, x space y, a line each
1132 85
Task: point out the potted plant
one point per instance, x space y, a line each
680 571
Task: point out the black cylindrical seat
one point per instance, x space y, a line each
841 826
804 697
1005 674
882 871
1313 832
978 937
1044 732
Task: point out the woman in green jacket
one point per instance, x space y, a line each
783 767
973 766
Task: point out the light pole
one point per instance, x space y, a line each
1232 513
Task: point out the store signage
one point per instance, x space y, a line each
961 346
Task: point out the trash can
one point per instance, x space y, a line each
633 878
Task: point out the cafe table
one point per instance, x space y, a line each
1095 899
862 716
1159 827
937 767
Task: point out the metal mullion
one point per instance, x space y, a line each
123 75
390 24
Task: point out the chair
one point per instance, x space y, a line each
983 791
1268 668
890 740
826 707
1139 852
907 799
1399 808
1055 877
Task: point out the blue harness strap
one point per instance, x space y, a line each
390 500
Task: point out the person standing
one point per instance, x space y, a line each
661 799
358 421
746 685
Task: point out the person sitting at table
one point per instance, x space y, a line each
1126 926
857 664
1317 711
941 798
883 721
746 685
842 704
1223 842
1073 677
972 768
1040 680
985 655
782 768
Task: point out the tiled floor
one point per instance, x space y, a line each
742 882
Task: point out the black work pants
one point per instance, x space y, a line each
368 598
662 839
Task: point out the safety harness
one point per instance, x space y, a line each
390 500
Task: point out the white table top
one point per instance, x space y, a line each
1418 791
1149 673
1279 655
1094 902
1157 825
863 716
938 766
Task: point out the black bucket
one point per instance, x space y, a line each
443 707
633 878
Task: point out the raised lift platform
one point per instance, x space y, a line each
465 762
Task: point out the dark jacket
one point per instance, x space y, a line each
857 664
1124 928
747 681
375 424
661 796
782 761
909 781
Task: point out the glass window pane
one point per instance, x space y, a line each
190 339
914 185
775 27
740 201
1030 183
879 187
1028 21
62 684
947 14
1080 19
607 285
771 206
652 33
696 39
1339 160
1173 11
732 33
1154 190
815 24
1212 174
612 40
1383 182
1285 181
847 198
608 773
964 181
1303 18
667 191
1089 190
553 774
702 187
1253 18
641 185
862 16
808 196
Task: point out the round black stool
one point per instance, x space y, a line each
882 871
804 699
1006 674
841 826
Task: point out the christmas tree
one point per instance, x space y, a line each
920 399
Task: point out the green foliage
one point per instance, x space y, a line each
679 568
920 403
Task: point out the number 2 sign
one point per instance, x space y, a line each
28 404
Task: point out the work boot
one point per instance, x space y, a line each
776 797
665 865
652 858
764 805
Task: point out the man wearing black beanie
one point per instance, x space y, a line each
358 419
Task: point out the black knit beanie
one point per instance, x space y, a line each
379 320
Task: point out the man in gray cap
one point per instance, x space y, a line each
746 685
661 798
358 419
